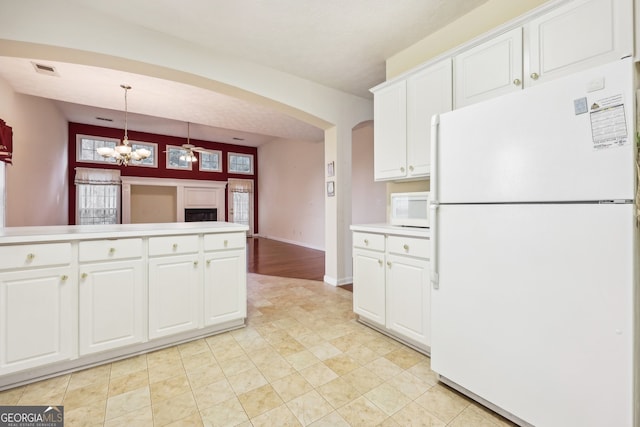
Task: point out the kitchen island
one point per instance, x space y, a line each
77 296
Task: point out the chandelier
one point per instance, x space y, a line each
123 153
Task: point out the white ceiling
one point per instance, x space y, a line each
341 44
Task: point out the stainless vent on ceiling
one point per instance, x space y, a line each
45 69
104 119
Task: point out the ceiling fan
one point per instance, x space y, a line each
190 149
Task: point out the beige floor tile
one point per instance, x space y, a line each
129 382
85 395
213 394
11 396
227 413
362 354
247 381
309 407
163 356
475 410
423 371
195 361
291 386
47 392
346 342
342 364
415 415
130 401
470 417
129 366
318 374
236 365
302 360
362 379
310 340
362 412
381 345
193 347
405 357
339 392
260 400
387 398
205 375
443 402
280 416
409 384
324 351
275 369
99 374
162 370
174 409
194 420
91 414
140 417
227 350
171 387
288 346
334 419
384 368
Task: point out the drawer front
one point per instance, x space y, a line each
409 246
36 255
371 241
173 245
104 250
221 241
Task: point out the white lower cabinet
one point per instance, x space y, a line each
37 317
391 285
173 294
111 305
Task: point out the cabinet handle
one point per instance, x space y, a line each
208 262
226 243
380 262
410 168
406 248
30 257
402 169
64 277
175 246
112 251
84 275
195 263
389 264
517 82
366 242
534 76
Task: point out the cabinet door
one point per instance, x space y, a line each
369 285
491 69
174 286
390 132
111 305
37 318
225 291
429 92
409 298
577 36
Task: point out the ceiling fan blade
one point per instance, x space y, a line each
199 150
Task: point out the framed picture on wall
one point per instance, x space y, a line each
331 189
330 169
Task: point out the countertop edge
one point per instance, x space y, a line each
392 229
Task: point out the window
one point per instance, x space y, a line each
152 160
241 163
173 158
86 148
210 161
97 196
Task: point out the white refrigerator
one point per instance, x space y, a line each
535 289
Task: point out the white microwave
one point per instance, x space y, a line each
410 209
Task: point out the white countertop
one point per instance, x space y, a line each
392 229
86 232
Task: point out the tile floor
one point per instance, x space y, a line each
301 360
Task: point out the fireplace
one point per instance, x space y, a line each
200 214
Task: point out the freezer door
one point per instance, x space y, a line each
534 310
570 139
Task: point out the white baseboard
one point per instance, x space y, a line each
337 282
293 242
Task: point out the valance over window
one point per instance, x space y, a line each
97 176
6 142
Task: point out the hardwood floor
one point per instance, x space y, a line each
275 258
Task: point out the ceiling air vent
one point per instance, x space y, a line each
104 119
45 69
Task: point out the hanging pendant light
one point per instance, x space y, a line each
123 153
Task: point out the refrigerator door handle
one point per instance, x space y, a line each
433 226
433 176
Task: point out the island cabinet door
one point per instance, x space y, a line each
174 286
36 318
112 308
225 291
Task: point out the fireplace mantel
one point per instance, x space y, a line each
190 193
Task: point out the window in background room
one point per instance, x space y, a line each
241 163
210 161
86 148
174 153
241 202
152 160
97 196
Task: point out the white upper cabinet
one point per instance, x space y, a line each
402 121
574 36
491 69
579 35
